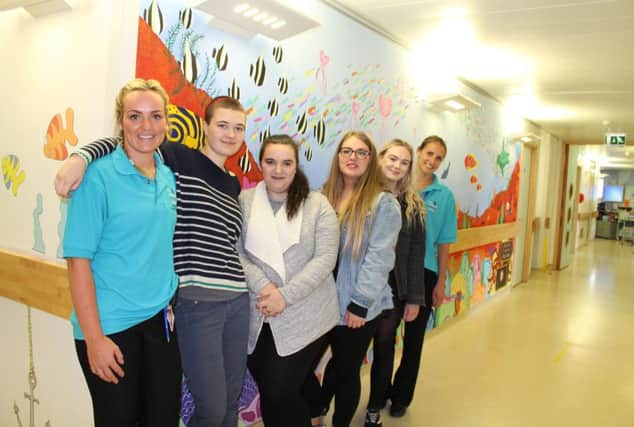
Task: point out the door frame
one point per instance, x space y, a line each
562 207
530 215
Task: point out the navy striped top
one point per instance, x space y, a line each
208 224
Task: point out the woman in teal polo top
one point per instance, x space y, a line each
118 245
441 231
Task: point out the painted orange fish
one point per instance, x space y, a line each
470 162
57 135
479 187
474 179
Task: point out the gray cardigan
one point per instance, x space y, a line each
309 288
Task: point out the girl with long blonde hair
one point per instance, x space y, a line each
407 277
370 221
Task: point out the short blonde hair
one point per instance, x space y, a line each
138 85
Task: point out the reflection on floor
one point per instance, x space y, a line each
556 351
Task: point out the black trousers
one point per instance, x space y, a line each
149 394
342 375
383 351
280 380
402 390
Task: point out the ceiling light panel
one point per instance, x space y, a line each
36 8
266 17
452 102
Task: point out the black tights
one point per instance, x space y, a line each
342 375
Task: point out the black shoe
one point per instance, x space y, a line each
397 410
373 419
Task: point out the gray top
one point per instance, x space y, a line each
309 288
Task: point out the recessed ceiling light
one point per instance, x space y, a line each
269 20
529 138
260 16
250 12
452 102
454 105
37 8
605 122
241 8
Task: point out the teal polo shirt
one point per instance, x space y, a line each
124 223
441 221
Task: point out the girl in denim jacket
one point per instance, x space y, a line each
370 219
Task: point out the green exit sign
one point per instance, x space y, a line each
615 138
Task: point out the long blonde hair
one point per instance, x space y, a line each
367 189
405 190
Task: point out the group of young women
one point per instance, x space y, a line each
269 277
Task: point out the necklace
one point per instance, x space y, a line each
148 171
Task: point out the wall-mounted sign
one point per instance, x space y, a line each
615 138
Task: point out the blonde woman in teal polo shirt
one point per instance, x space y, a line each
441 231
118 245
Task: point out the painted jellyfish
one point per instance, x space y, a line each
385 107
354 117
320 75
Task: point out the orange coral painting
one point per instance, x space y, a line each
503 206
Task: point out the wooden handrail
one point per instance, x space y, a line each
479 236
36 282
587 215
44 284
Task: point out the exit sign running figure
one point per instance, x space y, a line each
615 138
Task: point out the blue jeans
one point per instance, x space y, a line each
212 338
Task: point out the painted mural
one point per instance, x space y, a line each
474 275
315 87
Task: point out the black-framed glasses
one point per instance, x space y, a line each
360 153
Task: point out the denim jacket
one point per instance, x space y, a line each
362 284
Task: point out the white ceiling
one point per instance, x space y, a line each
566 65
